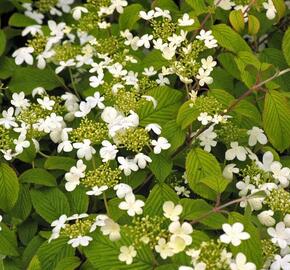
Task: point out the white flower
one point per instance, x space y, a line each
236 151
162 13
96 81
208 63
224 4
56 29
80 241
96 100
271 10
241 263
85 150
65 146
131 205
127 165
77 12
150 71
8 119
182 231
20 144
168 52
151 99
112 229
154 127
281 263
185 20
58 224
204 118
287 220
122 190
19 100
141 160
229 170
161 144
266 218
164 249
145 41
46 103
84 109
244 186
23 54
119 5
182 191
108 151
256 135
268 159
279 173
207 139
280 235
162 80
38 91
147 16
96 191
203 77
74 175
172 211
127 254
207 37
234 234
32 29
64 64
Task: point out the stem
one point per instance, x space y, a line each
218 209
42 154
106 203
59 79
73 83
255 87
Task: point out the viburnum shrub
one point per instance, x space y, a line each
145 135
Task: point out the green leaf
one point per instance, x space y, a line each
8 242
157 196
9 187
27 78
237 20
38 176
198 6
253 25
23 205
109 251
68 263
200 211
174 134
2 42
280 8
20 20
252 247
154 58
187 114
7 67
168 103
27 230
201 164
286 45
276 120
31 249
50 203
229 39
50 254
59 163
130 16
160 166
78 200
215 182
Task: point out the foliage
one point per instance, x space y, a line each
145 134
